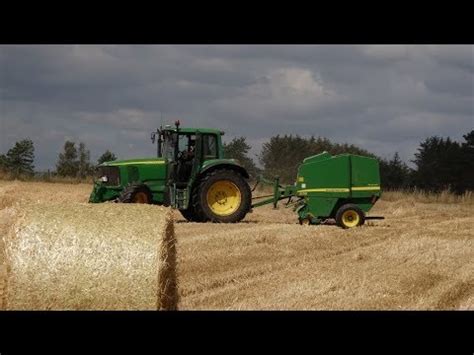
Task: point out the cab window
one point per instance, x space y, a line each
209 146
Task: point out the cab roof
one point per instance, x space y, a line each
194 130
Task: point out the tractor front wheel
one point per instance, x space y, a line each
349 216
222 196
136 194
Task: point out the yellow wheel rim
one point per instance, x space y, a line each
223 198
350 218
140 197
305 222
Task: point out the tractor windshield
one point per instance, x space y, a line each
169 140
186 144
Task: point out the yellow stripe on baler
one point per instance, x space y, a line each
341 189
325 190
365 188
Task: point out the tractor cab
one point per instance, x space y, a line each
193 157
185 151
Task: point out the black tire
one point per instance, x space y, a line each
198 213
200 204
341 222
191 215
132 193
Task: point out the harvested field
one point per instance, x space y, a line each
420 257
11 191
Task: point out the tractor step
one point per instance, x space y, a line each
181 200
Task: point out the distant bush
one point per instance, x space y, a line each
418 195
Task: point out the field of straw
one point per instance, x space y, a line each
420 257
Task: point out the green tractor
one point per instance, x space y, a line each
190 174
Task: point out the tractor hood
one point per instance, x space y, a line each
143 161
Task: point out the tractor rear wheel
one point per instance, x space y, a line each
349 216
222 196
191 215
136 194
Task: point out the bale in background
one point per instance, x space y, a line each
90 257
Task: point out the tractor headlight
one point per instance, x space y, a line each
108 175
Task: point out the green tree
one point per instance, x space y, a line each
84 165
67 164
469 138
281 155
395 174
107 156
238 149
467 161
440 165
3 162
19 159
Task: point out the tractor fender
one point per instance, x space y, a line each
230 164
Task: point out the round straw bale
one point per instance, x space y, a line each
91 257
7 217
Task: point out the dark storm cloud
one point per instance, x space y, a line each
384 98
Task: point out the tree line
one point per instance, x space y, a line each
440 163
72 162
75 162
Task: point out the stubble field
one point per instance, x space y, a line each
420 257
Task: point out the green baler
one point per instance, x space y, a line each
343 187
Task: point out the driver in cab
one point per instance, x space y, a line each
188 154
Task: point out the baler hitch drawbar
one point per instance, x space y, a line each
279 193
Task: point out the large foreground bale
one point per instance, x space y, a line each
90 257
7 217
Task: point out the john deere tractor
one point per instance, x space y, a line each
190 174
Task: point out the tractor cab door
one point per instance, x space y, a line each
194 150
186 158
197 161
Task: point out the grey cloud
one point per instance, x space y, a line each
384 98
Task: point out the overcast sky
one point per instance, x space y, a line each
382 98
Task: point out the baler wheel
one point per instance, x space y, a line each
349 216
